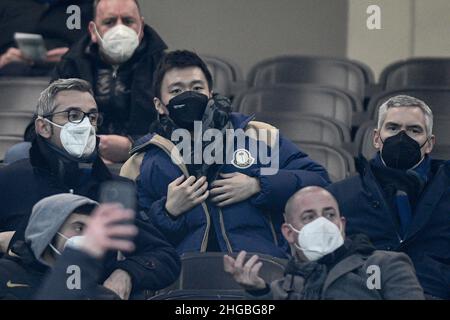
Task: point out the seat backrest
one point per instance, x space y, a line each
21 94
14 123
417 72
195 266
224 74
7 142
311 128
323 101
338 162
364 139
334 72
441 129
438 99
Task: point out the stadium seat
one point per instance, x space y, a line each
438 99
14 123
6 142
21 94
417 72
338 162
364 140
227 77
339 73
311 128
301 99
203 276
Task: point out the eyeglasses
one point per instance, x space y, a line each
77 116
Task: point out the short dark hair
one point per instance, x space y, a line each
96 2
178 59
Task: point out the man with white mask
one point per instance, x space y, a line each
324 266
118 58
71 232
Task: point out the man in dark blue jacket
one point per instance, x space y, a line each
227 200
401 198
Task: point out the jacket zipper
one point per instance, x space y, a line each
114 74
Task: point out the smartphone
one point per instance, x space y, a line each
31 45
122 192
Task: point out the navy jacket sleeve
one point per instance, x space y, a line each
155 176
296 170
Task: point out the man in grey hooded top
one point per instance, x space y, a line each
78 251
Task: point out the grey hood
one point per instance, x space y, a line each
48 216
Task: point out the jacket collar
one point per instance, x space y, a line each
43 158
433 192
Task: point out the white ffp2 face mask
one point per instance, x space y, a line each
118 43
74 242
78 139
318 238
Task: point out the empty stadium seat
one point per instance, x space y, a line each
438 99
339 73
21 94
203 275
338 162
304 99
417 72
227 77
364 140
307 127
14 123
6 142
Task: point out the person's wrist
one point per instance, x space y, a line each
171 211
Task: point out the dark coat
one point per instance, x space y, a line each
253 225
348 279
82 61
427 242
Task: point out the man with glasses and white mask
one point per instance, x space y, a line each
326 265
63 156
118 58
401 197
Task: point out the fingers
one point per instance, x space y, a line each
229 175
199 183
219 183
227 202
240 259
219 190
255 269
177 181
189 181
228 263
221 197
200 191
201 198
122 231
250 263
121 245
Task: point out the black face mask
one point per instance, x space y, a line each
401 151
186 108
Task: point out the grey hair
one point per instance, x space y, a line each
96 2
46 103
405 101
